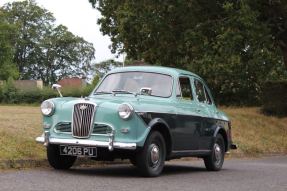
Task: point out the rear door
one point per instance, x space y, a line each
206 106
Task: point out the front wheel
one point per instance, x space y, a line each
58 161
150 160
214 161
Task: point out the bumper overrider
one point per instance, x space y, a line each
46 140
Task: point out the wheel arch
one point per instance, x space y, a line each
161 126
222 132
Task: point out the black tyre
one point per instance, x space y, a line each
215 160
58 161
133 161
150 160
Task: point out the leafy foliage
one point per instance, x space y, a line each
274 14
7 66
228 43
43 50
274 98
105 66
238 58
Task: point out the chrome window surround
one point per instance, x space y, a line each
171 89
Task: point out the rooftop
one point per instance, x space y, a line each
156 69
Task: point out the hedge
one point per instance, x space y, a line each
10 95
274 97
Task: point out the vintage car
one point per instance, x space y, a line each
146 114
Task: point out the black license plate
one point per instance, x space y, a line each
78 151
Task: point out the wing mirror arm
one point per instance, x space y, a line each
57 87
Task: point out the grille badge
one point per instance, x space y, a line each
83 107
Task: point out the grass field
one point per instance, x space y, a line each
19 125
253 132
256 133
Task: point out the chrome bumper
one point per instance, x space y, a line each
46 140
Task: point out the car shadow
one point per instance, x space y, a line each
131 171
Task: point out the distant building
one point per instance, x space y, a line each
28 84
73 82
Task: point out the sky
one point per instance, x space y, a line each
81 20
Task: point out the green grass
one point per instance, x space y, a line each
19 125
257 134
253 132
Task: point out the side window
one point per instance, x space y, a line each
208 101
185 86
201 92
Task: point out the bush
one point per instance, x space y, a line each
77 92
274 98
35 95
9 94
47 93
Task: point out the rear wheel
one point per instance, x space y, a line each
58 161
215 160
150 160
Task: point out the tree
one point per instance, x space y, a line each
238 58
60 54
42 49
7 67
105 66
33 23
224 41
274 14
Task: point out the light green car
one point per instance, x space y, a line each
142 113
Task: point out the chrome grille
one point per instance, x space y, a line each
83 115
64 127
102 129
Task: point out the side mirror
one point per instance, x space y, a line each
57 87
145 91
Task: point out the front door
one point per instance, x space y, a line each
188 121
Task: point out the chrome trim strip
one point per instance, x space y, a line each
46 138
190 151
195 115
82 142
93 134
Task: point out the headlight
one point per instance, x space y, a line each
47 108
125 111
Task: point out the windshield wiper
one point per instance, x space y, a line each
122 92
102 92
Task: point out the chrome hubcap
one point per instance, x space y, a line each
217 154
154 154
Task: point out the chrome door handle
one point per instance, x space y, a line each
198 110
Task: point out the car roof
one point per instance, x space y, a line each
156 69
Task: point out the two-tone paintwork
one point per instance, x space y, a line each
191 126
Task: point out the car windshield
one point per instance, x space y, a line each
132 82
